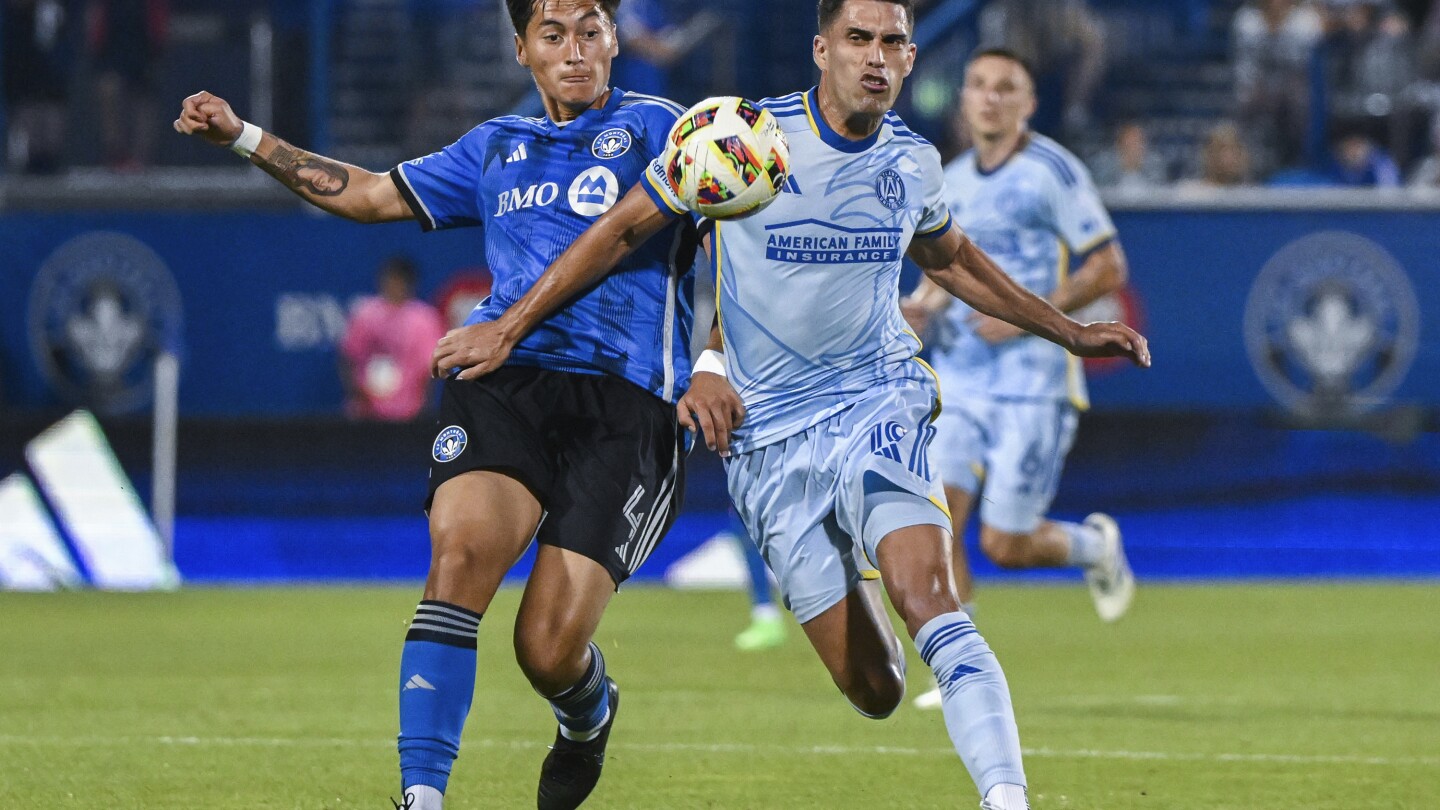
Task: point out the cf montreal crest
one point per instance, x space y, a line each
890 188
449 444
103 306
1332 324
611 143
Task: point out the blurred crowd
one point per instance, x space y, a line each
1332 92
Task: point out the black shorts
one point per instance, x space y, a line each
601 455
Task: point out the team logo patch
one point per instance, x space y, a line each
102 308
890 188
594 191
449 444
611 143
1332 324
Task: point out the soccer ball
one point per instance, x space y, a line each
726 158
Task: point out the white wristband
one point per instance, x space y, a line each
249 140
710 362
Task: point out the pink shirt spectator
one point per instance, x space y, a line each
389 348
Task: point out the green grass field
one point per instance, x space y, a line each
1250 696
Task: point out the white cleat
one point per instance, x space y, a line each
1112 583
930 700
1006 797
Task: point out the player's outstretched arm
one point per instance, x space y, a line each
339 188
959 267
481 348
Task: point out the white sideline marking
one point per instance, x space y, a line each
732 748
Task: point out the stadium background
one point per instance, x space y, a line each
1218 466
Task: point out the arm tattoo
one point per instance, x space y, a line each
302 171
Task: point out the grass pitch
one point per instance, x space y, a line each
1248 696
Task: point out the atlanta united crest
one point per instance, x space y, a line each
1332 324
890 189
449 444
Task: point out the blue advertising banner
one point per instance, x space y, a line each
1254 309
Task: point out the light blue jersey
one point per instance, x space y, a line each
1035 215
808 288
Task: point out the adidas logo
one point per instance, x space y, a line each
518 155
417 682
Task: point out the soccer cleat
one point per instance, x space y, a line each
1112 584
571 769
930 700
762 634
421 797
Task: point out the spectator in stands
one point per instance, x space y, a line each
1370 61
1224 161
1274 42
651 42
37 56
1427 174
1064 44
126 37
1360 162
385 354
1129 165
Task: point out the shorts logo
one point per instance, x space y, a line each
594 191
449 444
885 440
102 308
890 189
611 143
1332 324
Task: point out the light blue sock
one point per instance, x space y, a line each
976 700
1086 544
583 708
437 683
755 564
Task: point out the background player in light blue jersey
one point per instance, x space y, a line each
827 463
575 443
1012 400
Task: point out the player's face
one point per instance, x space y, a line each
865 55
997 98
568 46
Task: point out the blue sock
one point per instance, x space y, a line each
759 574
583 708
1086 544
976 700
437 683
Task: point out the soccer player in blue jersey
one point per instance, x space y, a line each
1013 400
826 450
575 442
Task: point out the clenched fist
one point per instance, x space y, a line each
209 117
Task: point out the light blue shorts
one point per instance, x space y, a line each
819 502
1016 449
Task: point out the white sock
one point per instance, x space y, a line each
764 613
1007 797
424 797
1087 546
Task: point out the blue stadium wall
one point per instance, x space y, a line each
1210 475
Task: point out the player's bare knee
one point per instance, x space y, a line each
550 664
1005 549
876 692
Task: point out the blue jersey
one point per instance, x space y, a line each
1035 215
808 288
535 186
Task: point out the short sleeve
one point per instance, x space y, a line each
443 189
935 215
1079 217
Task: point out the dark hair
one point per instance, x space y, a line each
1003 53
827 10
402 268
522 10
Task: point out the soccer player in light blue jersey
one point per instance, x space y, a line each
826 445
1012 400
575 442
